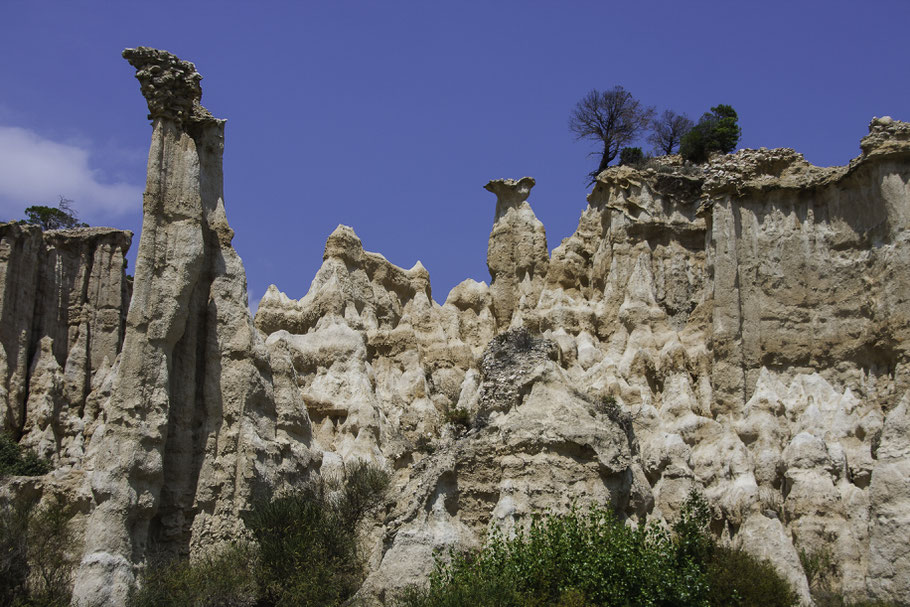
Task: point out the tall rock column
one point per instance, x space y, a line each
517 255
193 388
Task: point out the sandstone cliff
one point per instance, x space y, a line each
62 311
738 328
748 317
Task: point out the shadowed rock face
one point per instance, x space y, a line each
740 329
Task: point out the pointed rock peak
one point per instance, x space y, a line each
272 293
170 86
420 270
420 279
509 192
343 243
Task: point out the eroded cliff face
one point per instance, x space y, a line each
749 317
62 312
739 329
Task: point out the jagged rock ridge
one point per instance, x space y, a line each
739 329
747 316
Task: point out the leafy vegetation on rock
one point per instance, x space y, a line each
592 558
51 218
304 552
717 131
458 416
16 461
225 578
631 156
34 569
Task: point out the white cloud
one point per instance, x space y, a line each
252 302
35 170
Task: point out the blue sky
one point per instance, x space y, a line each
391 116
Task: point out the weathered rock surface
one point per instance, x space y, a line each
517 253
740 329
538 445
62 312
192 424
747 316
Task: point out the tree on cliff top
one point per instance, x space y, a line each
50 218
614 118
668 130
717 131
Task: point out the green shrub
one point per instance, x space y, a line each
50 218
222 579
571 559
34 570
717 131
304 553
459 416
739 579
631 156
14 550
582 559
306 539
15 461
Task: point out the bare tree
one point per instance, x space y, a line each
668 130
614 117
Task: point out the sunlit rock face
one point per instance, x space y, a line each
62 314
747 315
740 329
517 253
194 415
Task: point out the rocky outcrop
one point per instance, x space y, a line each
62 312
377 361
191 426
745 316
536 445
517 253
738 329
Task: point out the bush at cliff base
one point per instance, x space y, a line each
304 552
591 558
34 567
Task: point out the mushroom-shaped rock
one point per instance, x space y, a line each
510 193
170 85
517 255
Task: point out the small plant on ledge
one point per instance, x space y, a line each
460 417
